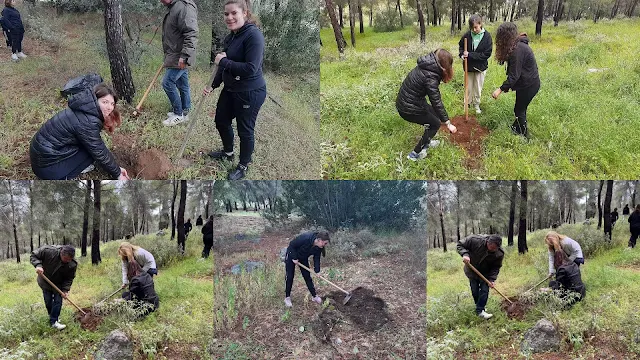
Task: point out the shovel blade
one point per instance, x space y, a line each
346 299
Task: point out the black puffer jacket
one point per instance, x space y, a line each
486 262
478 59
76 127
568 277
634 221
207 232
522 69
423 80
61 274
141 288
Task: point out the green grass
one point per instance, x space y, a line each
582 125
184 285
608 312
30 91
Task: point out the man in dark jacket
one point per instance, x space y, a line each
179 40
485 254
614 216
141 288
479 49
199 220
625 211
207 237
634 227
299 250
58 265
187 228
70 142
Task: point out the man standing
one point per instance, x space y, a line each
485 254
58 265
179 40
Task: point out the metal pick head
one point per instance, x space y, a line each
346 299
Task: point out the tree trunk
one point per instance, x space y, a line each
360 17
441 208
522 227
435 12
13 219
539 17
512 211
460 15
173 207
633 196
607 209
600 204
85 219
31 214
458 209
371 16
219 30
117 51
423 35
352 24
95 236
400 12
513 10
453 17
181 205
337 32
341 16
491 14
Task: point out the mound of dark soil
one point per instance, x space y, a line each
469 136
517 309
90 321
365 310
149 164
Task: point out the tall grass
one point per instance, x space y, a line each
583 124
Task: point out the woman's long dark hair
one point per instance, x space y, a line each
244 6
133 269
559 259
445 60
110 124
506 40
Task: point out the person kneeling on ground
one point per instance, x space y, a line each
571 248
69 143
299 250
424 80
567 276
58 265
141 289
485 254
131 253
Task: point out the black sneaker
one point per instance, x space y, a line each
220 155
518 128
238 173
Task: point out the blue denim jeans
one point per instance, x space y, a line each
480 292
53 302
176 85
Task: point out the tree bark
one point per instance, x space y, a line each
352 25
337 32
360 17
181 205
400 12
600 204
31 214
512 211
458 209
85 219
441 208
539 17
522 227
95 236
117 50
13 219
423 35
435 12
607 210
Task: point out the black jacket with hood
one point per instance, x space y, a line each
141 288
76 127
634 221
302 247
61 274
423 80
568 277
207 232
478 59
486 262
522 69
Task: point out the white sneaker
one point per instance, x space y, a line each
413 156
58 326
434 143
88 169
485 315
317 299
287 302
175 120
21 55
478 111
14 57
628 248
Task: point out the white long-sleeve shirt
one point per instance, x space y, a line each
571 248
144 259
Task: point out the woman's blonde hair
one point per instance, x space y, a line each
554 240
127 251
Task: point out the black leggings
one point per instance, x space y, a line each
290 268
523 99
635 232
16 42
431 125
66 169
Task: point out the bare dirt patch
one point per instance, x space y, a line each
469 136
367 311
90 320
146 164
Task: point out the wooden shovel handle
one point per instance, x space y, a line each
149 88
61 293
323 278
466 87
538 284
488 282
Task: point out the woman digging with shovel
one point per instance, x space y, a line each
424 81
568 276
244 92
298 252
570 247
131 253
141 289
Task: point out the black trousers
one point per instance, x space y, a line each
16 42
431 124
207 249
635 232
244 107
66 169
290 269
523 99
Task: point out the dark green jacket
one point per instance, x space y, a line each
487 263
180 33
61 274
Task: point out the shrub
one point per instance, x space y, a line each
589 237
386 21
20 273
448 311
164 250
41 26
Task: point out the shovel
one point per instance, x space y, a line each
488 282
110 296
62 294
348 294
538 284
136 112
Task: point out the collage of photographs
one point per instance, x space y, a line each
319 179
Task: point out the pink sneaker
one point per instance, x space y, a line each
317 299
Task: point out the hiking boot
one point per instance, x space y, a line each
21 55
175 120
14 57
414 156
221 155
317 299
238 173
287 302
58 326
89 168
485 315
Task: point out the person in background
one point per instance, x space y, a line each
12 22
207 237
634 227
